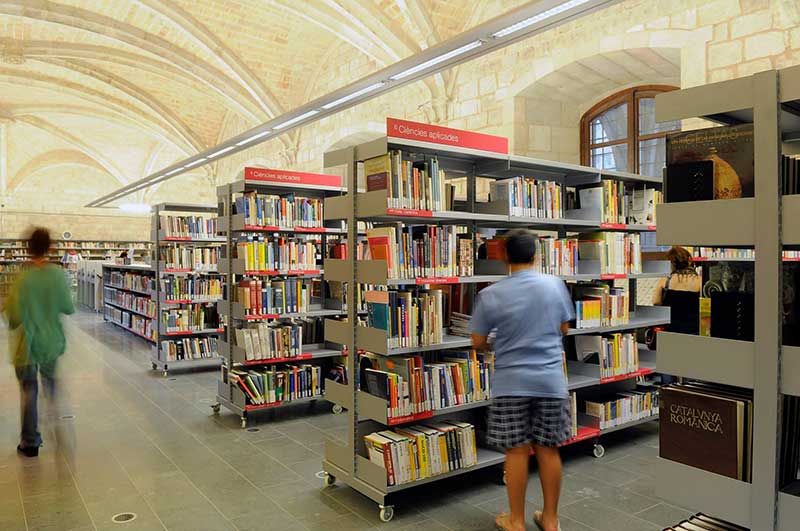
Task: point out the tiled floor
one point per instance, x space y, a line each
143 443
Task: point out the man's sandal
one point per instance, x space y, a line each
503 524
537 519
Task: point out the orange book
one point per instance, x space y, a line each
381 247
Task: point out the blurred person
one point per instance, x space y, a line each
529 314
37 299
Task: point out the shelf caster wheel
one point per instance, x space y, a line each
337 409
244 423
386 513
166 373
154 366
215 408
329 480
598 451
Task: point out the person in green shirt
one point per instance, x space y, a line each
38 298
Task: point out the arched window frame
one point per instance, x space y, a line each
630 97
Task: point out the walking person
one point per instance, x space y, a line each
34 307
529 313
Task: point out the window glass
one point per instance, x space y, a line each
647 119
610 157
652 156
609 126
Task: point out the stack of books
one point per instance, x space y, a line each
616 354
558 256
622 408
422 451
617 252
708 426
276 296
271 341
701 522
197 258
195 288
528 197
621 204
276 385
285 211
277 254
422 251
195 227
412 386
459 324
193 348
600 305
411 319
412 185
192 318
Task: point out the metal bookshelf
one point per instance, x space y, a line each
233 226
770 101
159 359
367 413
111 309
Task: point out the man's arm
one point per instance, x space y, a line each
564 330
482 323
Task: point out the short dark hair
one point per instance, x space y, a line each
520 246
39 242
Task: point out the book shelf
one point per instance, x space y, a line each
90 284
767 223
236 227
116 293
368 413
17 249
166 241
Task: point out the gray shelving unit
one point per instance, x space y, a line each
770 100
109 307
232 225
367 413
160 239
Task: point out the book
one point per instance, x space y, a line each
277 253
189 349
733 315
616 252
705 316
190 318
283 211
198 288
621 408
415 318
616 354
378 171
529 197
558 256
728 148
194 227
689 181
707 427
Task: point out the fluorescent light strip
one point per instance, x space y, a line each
544 15
254 137
296 119
436 60
220 152
195 163
173 172
354 95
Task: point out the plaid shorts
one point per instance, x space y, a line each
514 421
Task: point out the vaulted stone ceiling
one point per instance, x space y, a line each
128 86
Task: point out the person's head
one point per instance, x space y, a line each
39 242
680 258
520 247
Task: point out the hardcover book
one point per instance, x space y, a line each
690 181
729 148
378 171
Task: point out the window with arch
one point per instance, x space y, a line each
621 133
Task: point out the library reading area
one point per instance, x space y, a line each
401 264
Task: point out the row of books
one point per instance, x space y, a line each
529 197
411 385
193 348
600 305
287 210
277 254
415 185
621 203
421 451
131 301
708 426
275 385
411 319
190 257
616 354
558 256
127 280
191 318
617 252
265 341
141 325
195 288
196 227
729 253
702 522
623 408
459 324
274 296
422 250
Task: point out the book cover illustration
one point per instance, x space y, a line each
730 148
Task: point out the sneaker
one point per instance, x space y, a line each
28 451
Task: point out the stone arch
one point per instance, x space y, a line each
51 159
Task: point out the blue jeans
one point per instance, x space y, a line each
28 377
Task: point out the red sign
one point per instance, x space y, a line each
612 276
304 356
437 280
651 227
291 177
394 421
409 212
612 226
436 134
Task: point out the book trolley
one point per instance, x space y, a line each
470 155
235 228
118 295
768 222
164 241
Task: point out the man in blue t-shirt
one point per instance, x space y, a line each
529 313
